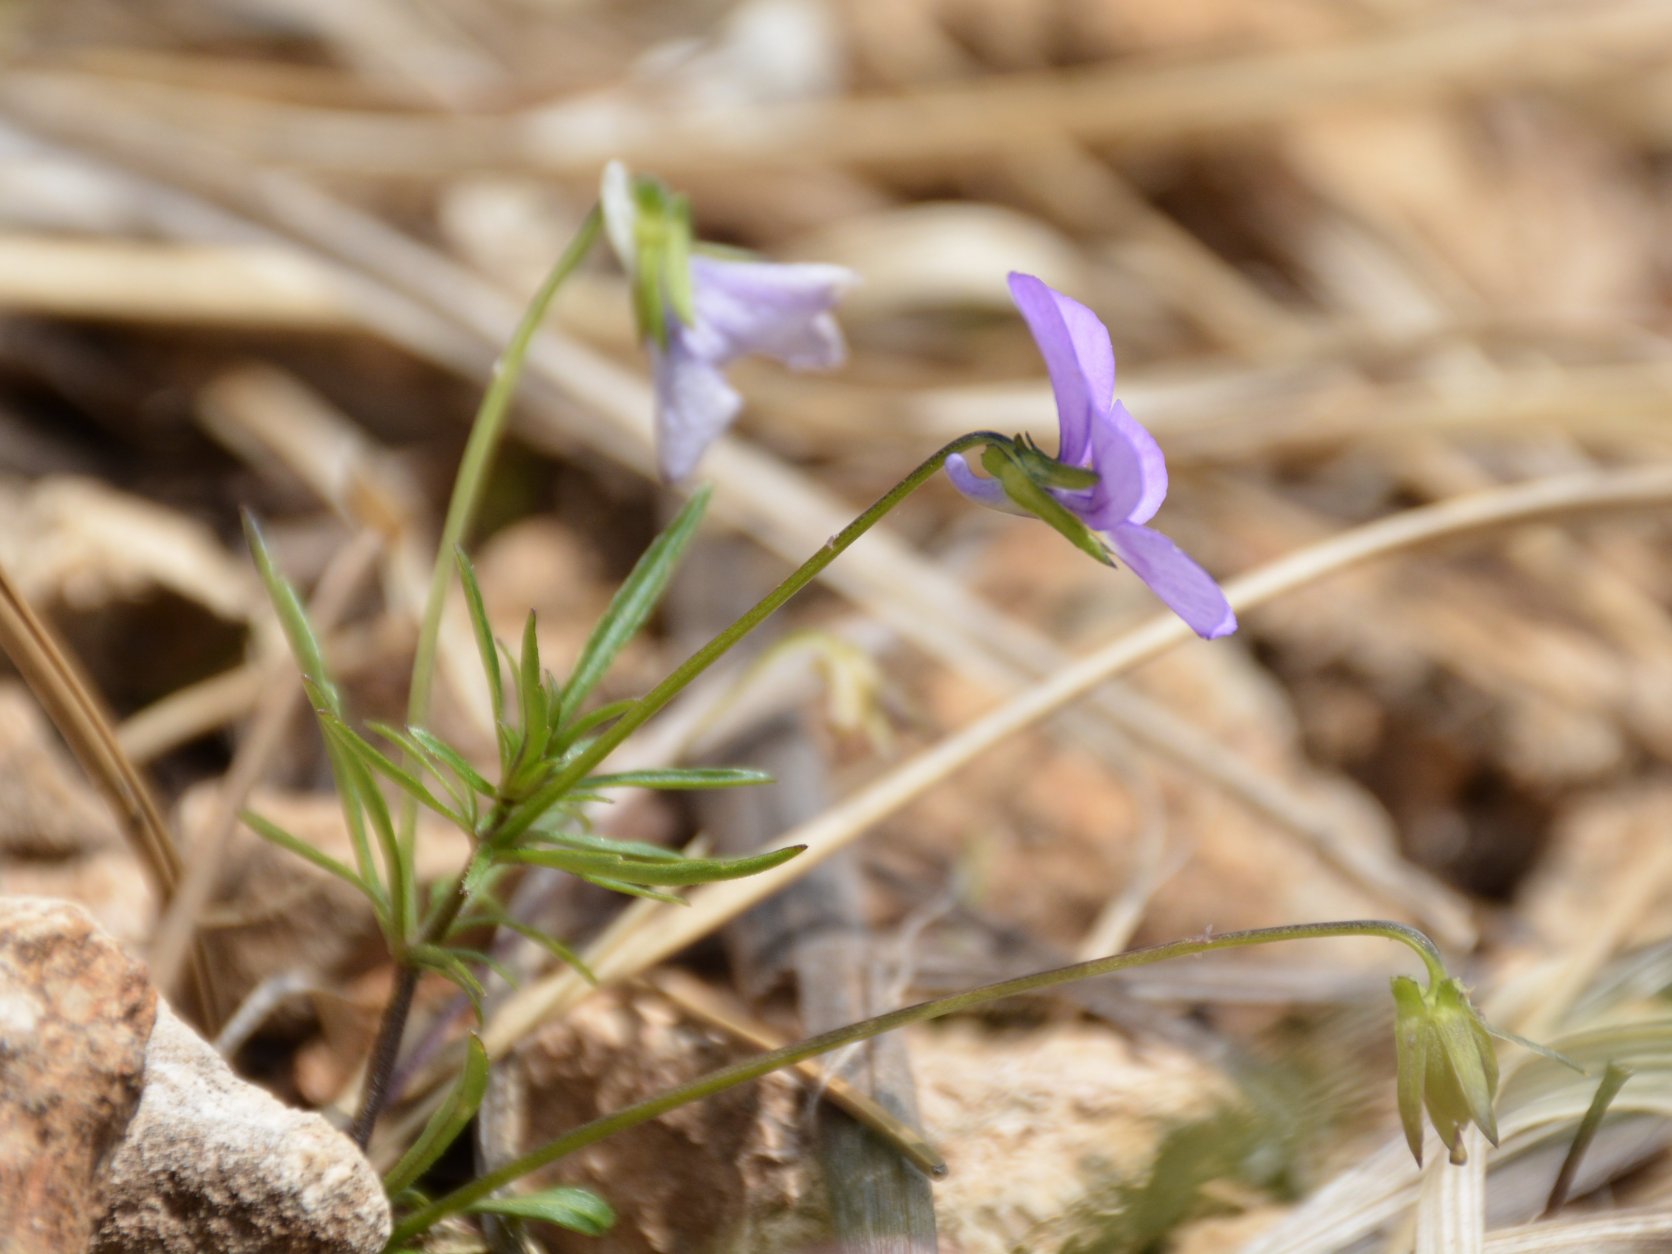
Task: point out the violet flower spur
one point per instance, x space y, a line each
698 313
1097 434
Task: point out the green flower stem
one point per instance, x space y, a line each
646 706
753 1068
485 433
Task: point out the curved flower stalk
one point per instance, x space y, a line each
697 314
1108 477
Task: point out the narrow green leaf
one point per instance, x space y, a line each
532 695
574 1209
633 890
391 770
605 844
692 779
448 964
491 914
271 831
510 746
484 959
454 760
454 1115
633 603
1614 1077
361 795
634 871
553 946
293 616
595 718
464 801
484 633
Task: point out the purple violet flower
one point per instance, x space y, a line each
1098 434
734 308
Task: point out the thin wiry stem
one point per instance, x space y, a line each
754 1068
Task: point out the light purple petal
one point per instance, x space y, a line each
1152 466
979 488
1132 474
1078 357
1120 483
780 311
1188 589
694 404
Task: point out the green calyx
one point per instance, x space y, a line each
1447 1065
1026 474
661 262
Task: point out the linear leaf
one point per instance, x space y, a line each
531 694
391 770
293 616
491 913
463 800
633 603
635 871
362 798
571 1208
455 761
594 718
633 890
604 844
692 778
271 831
483 959
483 631
447 963
454 1115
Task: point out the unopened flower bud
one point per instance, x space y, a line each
1446 1064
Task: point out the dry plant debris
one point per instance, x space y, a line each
1356 257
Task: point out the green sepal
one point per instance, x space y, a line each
1410 1044
1447 1064
1464 1041
1047 471
1004 462
651 243
676 271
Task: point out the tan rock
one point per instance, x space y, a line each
729 1173
213 1165
75 1013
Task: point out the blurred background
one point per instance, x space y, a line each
1356 256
